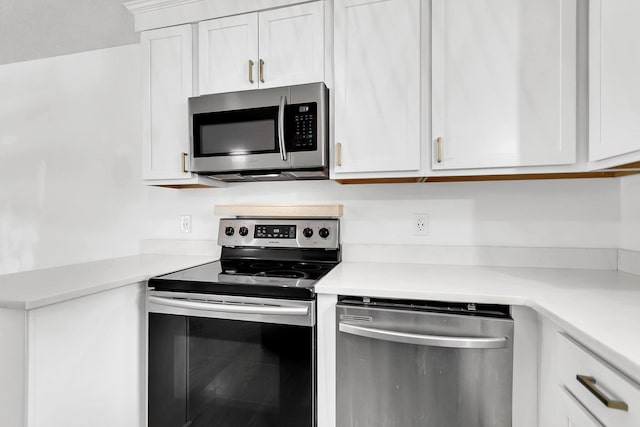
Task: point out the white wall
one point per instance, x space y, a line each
71 191
630 213
32 29
554 213
70 159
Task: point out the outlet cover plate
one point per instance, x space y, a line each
420 224
185 223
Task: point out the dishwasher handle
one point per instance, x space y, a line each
426 340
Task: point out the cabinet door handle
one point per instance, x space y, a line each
250 71
339 154
439 142
183 159
590 384
261 71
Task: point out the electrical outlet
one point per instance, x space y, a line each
185 223
420 221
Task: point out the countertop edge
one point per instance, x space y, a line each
615 359
135 269
90 290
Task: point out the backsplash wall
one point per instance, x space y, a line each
565 213
630 213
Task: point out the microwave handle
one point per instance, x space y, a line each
283 149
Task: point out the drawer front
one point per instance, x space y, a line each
576 414
598 378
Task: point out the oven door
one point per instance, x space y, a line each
227 361
236 132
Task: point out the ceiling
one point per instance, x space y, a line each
33 29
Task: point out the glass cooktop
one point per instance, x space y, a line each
286 279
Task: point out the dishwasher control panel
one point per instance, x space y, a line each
464 308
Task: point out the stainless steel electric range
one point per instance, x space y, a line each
232 343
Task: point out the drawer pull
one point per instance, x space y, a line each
590 384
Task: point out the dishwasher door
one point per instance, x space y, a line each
400 367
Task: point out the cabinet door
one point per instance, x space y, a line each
166 85
377 85
228 54
292 45
576 415
614 78
86 361
504 83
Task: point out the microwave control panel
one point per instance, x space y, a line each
302 132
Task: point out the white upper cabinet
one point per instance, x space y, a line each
292 45
228 52
614 79
377 87
166 85
279 47
504 83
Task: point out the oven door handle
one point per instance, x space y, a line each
283 148
230 308
426 340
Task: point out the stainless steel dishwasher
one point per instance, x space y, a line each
405 363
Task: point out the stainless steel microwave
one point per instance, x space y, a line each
261 135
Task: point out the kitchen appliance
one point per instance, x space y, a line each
232 342
423 364
261 135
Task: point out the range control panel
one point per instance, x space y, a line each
275 232
288 233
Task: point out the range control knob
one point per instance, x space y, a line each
243 231
307 232
323 232
229 231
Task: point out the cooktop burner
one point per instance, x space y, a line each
285 266
286 269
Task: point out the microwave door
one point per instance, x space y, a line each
241 132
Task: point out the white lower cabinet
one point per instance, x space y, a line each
579 389
604 392
81 362
12 367
576 415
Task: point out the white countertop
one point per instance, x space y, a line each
599 308
37 288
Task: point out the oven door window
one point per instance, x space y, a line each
229 373
239 132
